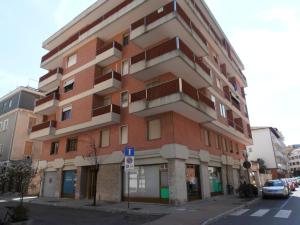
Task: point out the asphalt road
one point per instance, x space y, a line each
49 215
267 212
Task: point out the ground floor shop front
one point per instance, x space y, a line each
172 175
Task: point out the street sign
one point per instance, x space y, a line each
129 151
129 163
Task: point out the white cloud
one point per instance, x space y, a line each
67 10
270 55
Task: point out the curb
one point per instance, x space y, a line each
213 219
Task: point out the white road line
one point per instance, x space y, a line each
239 212
260 212
283 214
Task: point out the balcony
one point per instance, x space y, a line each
109 53
176 95
47 105
171 56
104 22
107 83
167 22
43 131
106 115
50 80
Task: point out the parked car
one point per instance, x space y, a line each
275 188
291 184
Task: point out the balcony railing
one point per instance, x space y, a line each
53 96
108 46
48 124
171 56
171 87
106 109
167 12
76 36
111 75
51 73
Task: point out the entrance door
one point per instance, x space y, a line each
193 182
69 183
91 179
49 184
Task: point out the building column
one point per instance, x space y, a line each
109 183
78 183
224 178
58 183
204 180
177 181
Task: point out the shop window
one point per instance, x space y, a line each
213 99
124 135
66 113
125 67
71 144
104 138
68 85
124 99
154 129
193 182
206 137
125 39
215 180
54 148
72 60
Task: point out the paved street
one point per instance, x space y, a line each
50 215
269 211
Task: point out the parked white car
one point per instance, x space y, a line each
274 188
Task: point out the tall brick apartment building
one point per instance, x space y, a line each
158 75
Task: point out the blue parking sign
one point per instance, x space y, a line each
129 151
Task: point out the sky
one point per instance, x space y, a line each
265 34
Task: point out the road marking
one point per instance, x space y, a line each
239 212
285 203
283 214
260 212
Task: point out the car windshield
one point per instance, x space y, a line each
275 183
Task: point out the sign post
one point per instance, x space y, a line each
128 165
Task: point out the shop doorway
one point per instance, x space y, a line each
215 180
69 183
193 182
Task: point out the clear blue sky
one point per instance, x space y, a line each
265 34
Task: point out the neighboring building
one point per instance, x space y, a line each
294 162
160 76
16 121
268 144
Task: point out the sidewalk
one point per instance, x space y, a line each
191 213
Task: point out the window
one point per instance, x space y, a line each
219 141
104 138
237 148
54 148
66 113
124 99
206 137
71 144
222 110
219 83
10 104
124 134
28 148
225 147
154 129
213 99
230 146
5 124
32 122
68 85
1 148
125 39
71 60
125 67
